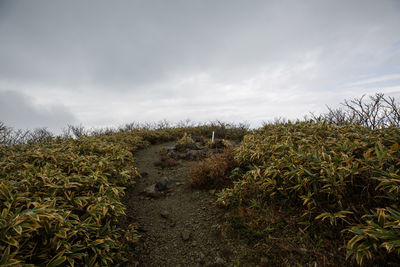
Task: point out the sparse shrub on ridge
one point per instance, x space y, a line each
374 112
9 136
214 171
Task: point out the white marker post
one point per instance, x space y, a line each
212 138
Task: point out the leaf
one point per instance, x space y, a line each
56 260
353 241
4 258
381 217
394 147
92 261
71 261
18 229
12 242
61 234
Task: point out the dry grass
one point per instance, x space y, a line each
167 161
214 171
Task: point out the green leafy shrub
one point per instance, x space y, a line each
328 177
61 198
60 201
379 233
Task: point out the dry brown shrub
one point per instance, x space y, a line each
214 171
167 162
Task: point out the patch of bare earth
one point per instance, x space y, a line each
178 226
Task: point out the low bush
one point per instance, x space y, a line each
337 185
167 162
60 202
61 197
214 171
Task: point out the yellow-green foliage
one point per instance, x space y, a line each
185 140
346 177
60 200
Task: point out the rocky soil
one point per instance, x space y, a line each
178 226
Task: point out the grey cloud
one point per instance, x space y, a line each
92 53
18 111
127 43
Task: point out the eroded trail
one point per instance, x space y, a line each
179 228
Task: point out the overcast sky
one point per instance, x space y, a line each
112 62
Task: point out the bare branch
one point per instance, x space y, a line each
374 112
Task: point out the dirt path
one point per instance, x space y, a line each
180 228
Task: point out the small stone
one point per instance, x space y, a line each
157 163
194 243
171 149
165 214
185 235
201 258
164 184
219 261
152 191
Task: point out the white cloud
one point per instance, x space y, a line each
378 79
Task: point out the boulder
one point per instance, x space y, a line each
193 146
171 149
193 154
180 147
172 154
164 184
196 138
